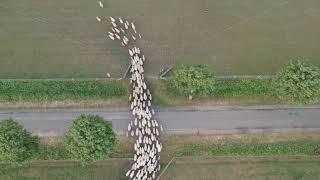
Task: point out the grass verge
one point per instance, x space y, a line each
50 90
182 168
249 168
98 94
269 144
225 92
250 156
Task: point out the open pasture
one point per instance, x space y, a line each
62 39
243 168
184 168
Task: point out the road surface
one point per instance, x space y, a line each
218 120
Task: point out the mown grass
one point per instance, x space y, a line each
112 169
55 39
222 88
200 153
42 90
243 88
224 92
269 144
248 168
250 149
99 94
182 168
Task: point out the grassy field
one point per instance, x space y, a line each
56 39
60 170
243 168
185 168
260 156
267 144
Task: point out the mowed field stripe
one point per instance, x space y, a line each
58 39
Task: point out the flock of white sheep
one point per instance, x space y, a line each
145 129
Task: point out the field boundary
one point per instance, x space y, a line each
165 169
175 159
148 77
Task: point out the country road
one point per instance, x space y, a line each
54 122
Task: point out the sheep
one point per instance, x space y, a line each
112 19
121 21
111 37
117 36
100 4
98 19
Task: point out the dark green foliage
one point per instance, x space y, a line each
235 88
15 90
52 152
197 80
89 138
299 81
250 149
243 88
191 80
16 143
317 150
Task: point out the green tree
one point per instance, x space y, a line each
89 138
299 81
191 80
16 143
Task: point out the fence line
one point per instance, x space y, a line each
147 77
169 163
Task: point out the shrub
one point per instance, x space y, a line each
89 138
299 81
16 143
191 80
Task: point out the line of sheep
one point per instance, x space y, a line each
145 129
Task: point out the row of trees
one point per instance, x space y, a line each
88 139
298 81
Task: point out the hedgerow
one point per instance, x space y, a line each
242 88
197 80
38 90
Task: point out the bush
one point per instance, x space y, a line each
16 143
191 80
89 138
39 90
299 81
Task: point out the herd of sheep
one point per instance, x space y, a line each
144 128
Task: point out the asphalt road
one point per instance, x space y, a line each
180 120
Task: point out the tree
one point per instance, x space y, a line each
16 143
89 138
191 80
299 81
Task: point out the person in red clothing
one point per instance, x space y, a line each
198 132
